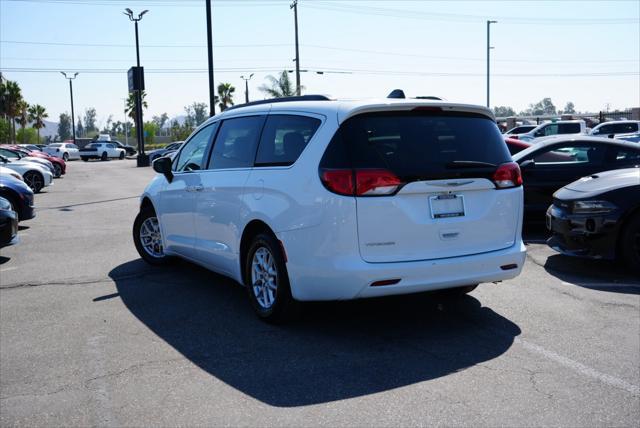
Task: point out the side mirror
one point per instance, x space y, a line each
529 163
162 166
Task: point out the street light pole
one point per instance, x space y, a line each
142 159
488 55
294 6
246 87
212 96
73 121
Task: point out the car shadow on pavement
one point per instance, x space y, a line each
603 275
335 351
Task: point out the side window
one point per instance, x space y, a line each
623 156
569 128
283 139
192 155
551 129
235 145
567 155
111 146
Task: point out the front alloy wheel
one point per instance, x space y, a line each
34 180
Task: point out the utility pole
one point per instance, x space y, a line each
142 159
212 96
246 87
73 120
488 55
294 6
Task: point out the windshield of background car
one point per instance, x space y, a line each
55 145
418 145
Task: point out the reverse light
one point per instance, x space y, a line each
507 175
592 207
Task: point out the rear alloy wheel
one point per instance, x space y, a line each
57 170
267 280
34 180
147 238
104 156
121 156
630 243
65 156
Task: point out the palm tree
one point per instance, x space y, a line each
11 97
282 87
131 104
37 115
225 95
22 117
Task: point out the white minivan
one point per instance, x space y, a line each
309 199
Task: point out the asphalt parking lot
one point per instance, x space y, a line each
90 335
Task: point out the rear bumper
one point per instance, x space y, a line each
591 236
345 277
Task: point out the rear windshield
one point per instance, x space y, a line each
418 145
54 145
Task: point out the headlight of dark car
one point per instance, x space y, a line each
593 207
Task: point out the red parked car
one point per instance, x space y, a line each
59 164
514 145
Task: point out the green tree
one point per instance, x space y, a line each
542 107
22 117
37 115
79 128
5 131
11 95
503 111
196 114
569 108
160 120
131 104
90 120
150 131
27 136
64 126
225 95
280 87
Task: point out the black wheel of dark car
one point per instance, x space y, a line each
147 238
57 170
104 156
84 158
630 243
121 156
458 291
65 157
267 280
35 180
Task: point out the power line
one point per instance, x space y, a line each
326 70
366 51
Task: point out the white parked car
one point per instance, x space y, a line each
102 150
66 151
6 171
628 130
13 155
560 127
317 199
34 175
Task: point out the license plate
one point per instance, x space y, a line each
444 206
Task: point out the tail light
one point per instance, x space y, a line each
507 175
360 182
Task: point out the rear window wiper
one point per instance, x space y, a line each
469 164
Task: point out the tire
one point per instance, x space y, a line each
34 180
57 170
151 250
104 156
630 243
84 158
458 292
121 156
65 157
264 261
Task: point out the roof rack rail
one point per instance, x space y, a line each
282 100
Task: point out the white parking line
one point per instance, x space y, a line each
580 368
8 269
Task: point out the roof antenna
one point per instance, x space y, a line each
396 93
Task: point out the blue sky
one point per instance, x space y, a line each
587 52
